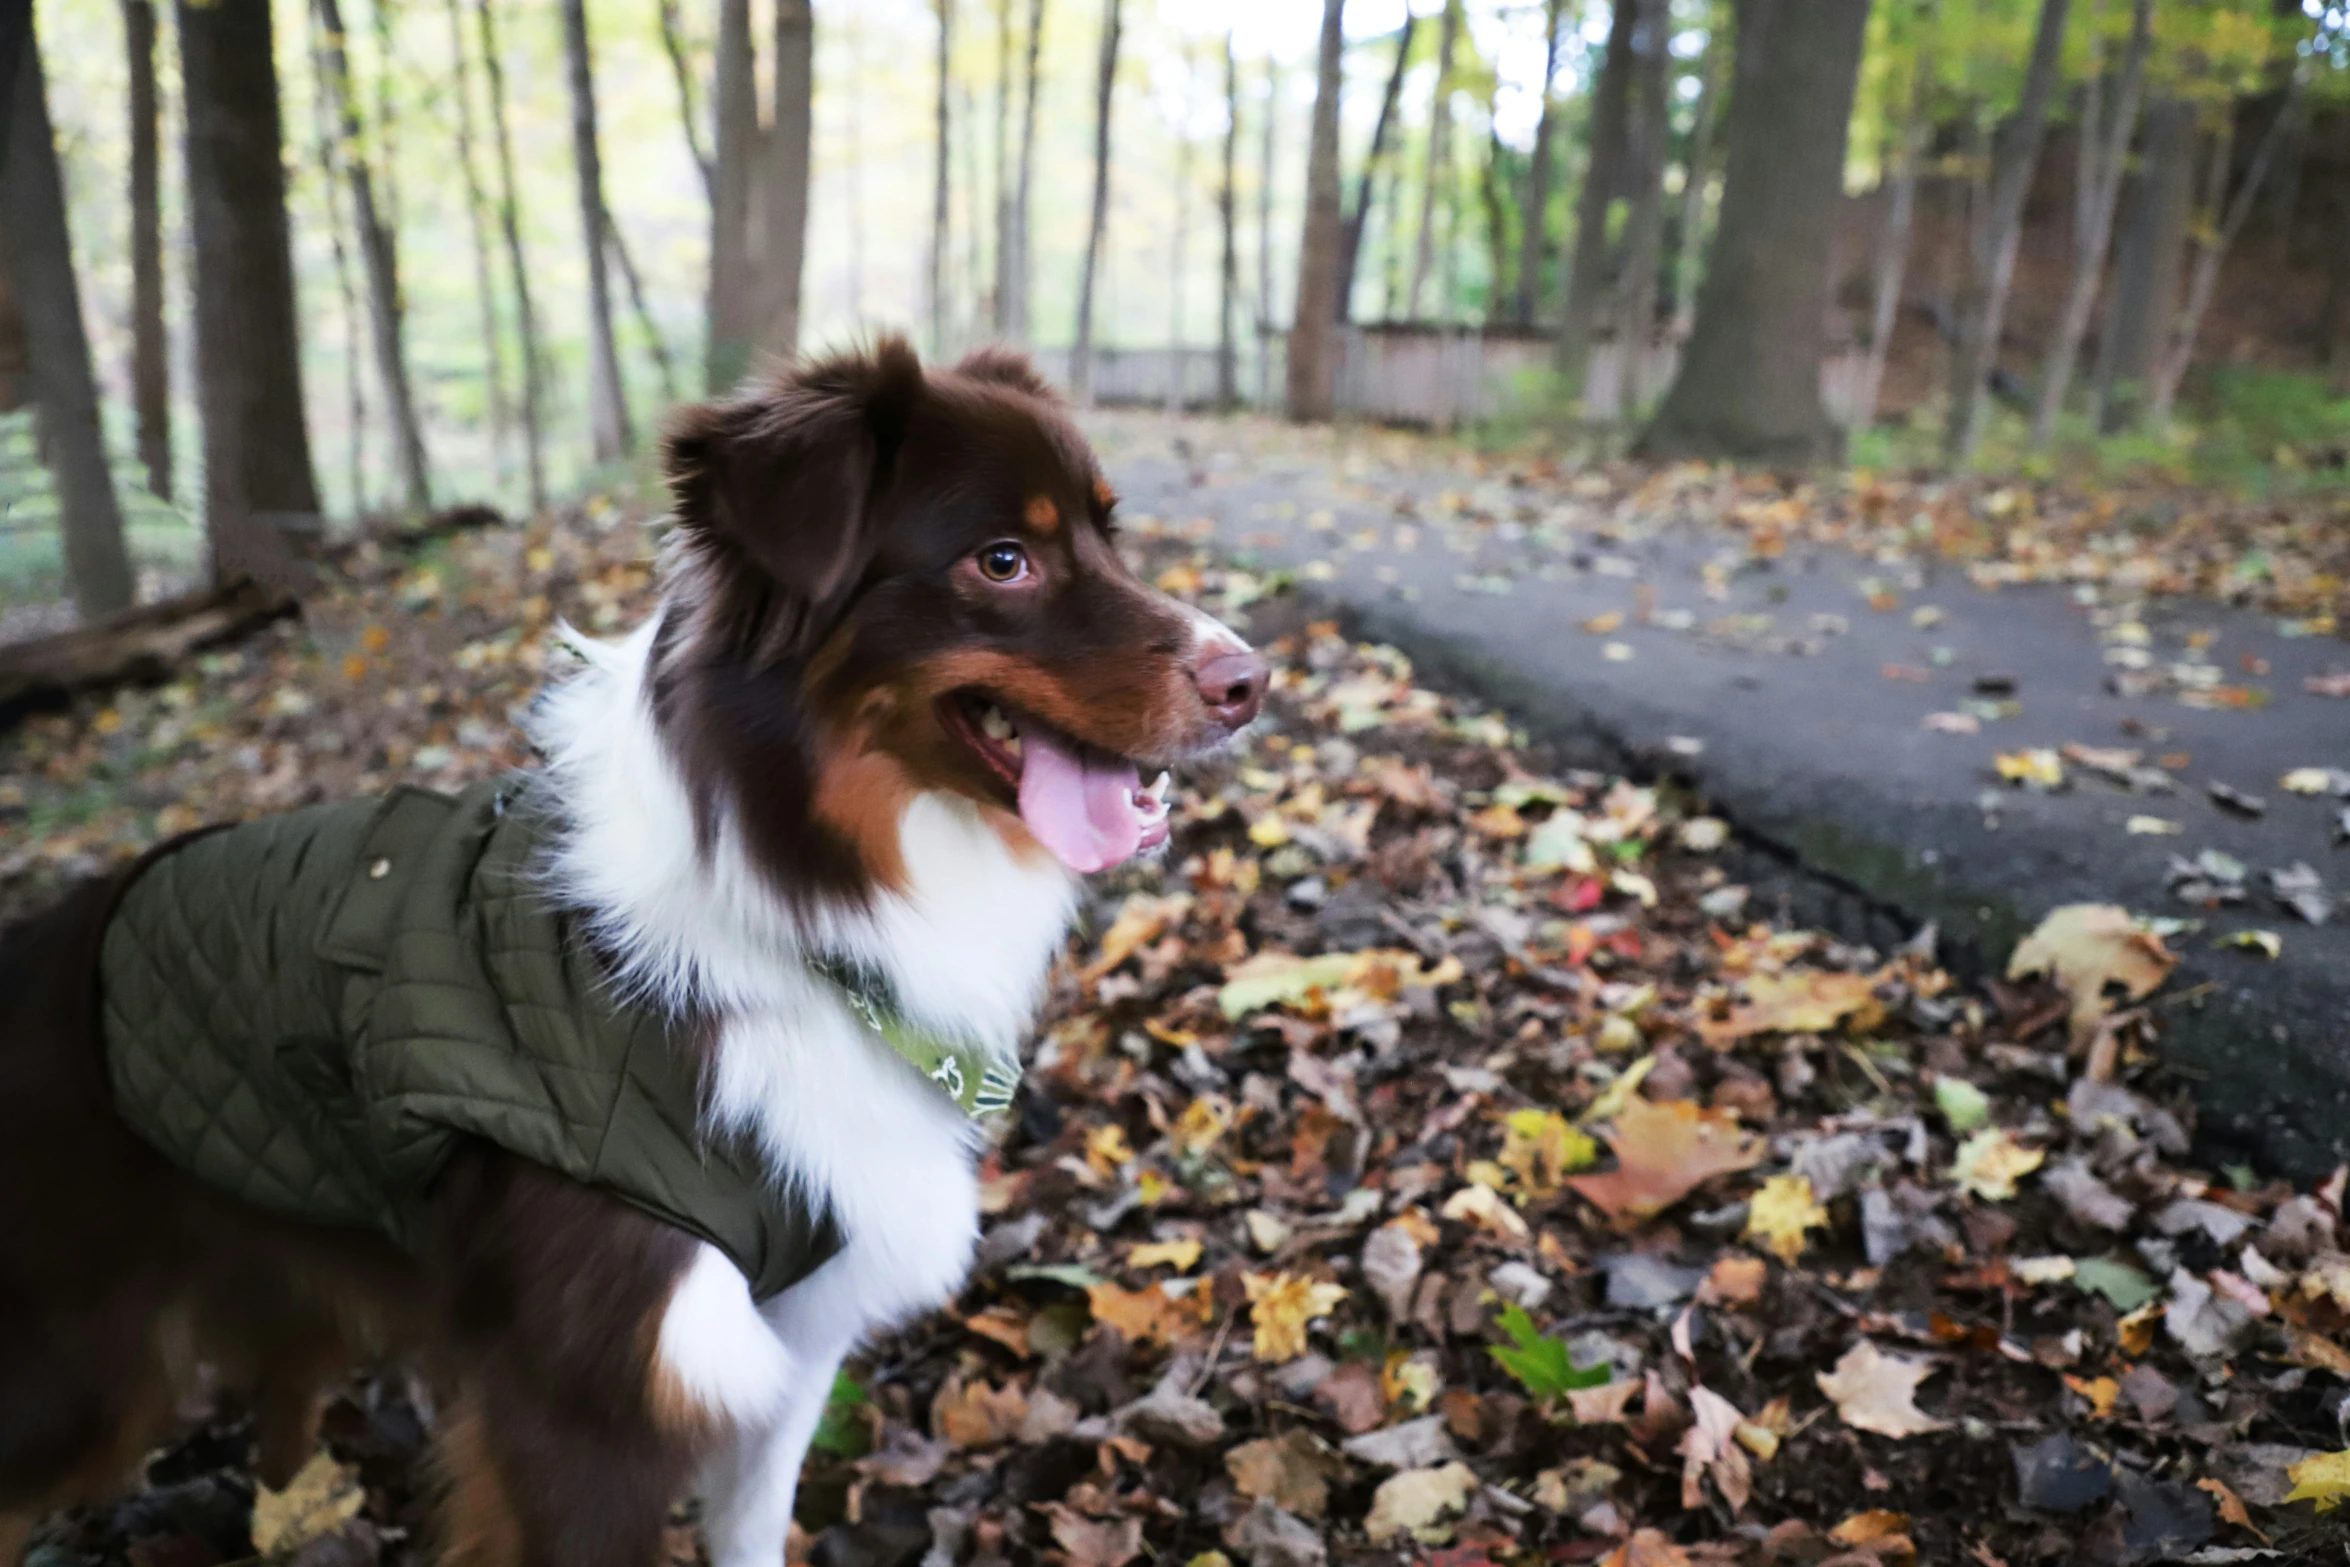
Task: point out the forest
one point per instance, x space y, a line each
271 267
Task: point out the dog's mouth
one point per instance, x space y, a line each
1084 804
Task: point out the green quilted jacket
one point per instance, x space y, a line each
311 1011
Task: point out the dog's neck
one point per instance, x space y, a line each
965 946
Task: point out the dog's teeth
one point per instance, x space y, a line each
1159 786
1012 742
996 726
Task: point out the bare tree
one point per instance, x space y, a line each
1534 210
40 261
940 192
1014 265
787 201
1983 316
1359 216
1000 296
1228 272
510 224
325 141
382 263
1081 356
150 362
655 343
1892 266
681 67
2223 219
1642 251
1178 251
1696 176
16 374
607 398
2149 252
1749 385
1439 177
2105 149
1611 98
258 481
477 221
732 275
1265 138
1313 330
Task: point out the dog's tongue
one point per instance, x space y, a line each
1081 806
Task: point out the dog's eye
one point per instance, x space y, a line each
1003 562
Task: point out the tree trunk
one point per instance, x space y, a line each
1534 214
673 45
2107 148
1689 260
16 387
257 476
380 15
1611 98
1892 267
1265 140
150 362
727 354
16 41
2332 328
607 399
1228 273
999 297
2149 256
382 264
1351 238
1496 204
1081 356
1438 182
1650 125
510 225
1749 385
1015 265
40 260
655 344
2215 235
1984 317
940 186
1313 329
477 222
1178 266
787 204
325 140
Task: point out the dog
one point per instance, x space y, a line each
829 806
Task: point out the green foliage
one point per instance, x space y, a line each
842 1433
1540 1362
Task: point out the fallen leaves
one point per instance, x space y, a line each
1874 1391
322 1497
1991 1162
1412 1502
1663 1153
1293 1471
1781 1214
1803 1001
2324 1479
1281 1306
1544 1366
2085 947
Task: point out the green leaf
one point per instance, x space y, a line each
2118 1282
842 1431
1541 1363
1966 1107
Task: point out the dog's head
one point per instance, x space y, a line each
893 582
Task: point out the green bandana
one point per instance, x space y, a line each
971 1077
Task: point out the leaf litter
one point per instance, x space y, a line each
1347 1126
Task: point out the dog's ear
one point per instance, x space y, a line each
782 481
1006 367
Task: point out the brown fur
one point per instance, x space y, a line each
825 599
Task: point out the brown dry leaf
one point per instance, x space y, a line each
1710 1447
2098 1392
1280 1305
1416 1499
1878 1392
1861 1528
974 1414
1663 1153
2231 1506
1542 1148
1151 1315
1093 1542
1141 920
2084 947
1603 1405
1647 1548
1179 1255
1801 1001
321 1498
1293 1471
1735 1281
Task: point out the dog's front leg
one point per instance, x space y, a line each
749 1487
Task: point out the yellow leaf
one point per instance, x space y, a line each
1541 1148
2085 947
1601 624
1805 1001
1280 1307
1107 1150
1781 1212
2039 767
1202 1124
1141 920
2099 1392
321 1498
1150 1315
1991 1162
2307 780
1268 832
1179 1255
2324 1480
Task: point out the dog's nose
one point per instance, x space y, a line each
1233 686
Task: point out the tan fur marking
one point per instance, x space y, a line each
478 1526
862 793
1103 493
1042 514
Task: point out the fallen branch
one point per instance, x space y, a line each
144 643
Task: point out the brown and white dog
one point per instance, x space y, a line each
899 694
